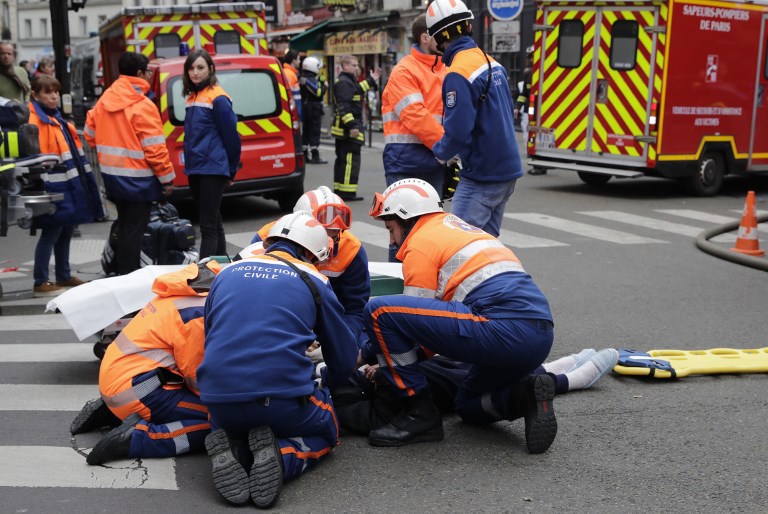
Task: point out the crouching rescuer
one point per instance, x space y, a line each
467 297
270 420
147 379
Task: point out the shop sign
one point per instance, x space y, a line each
356 43
339 3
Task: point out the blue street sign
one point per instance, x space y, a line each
505 10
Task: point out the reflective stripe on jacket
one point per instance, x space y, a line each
125 128
168 332
82 199
482 133
348 96
412 110
447 259
211 141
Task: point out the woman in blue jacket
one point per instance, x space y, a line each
73 178
211 147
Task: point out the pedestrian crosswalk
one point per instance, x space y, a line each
64 464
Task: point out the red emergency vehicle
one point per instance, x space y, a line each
661 88
235 36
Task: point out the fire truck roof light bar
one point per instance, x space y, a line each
193 9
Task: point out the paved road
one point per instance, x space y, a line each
620 269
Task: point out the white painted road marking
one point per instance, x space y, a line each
56 466
581 229
34 322
48 397
61 352
374 235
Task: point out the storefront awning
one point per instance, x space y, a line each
312 39
287 31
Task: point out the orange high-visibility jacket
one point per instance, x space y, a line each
168 332
292 74
412 110
125 128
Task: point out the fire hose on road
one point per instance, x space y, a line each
702 242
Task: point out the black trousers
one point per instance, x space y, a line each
132 220
313 122
207 191
346 168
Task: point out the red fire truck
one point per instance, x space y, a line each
235 35
664 88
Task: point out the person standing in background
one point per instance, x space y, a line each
412 108
125 128
14 80
46 66
211 147
478 121
313 89
522 104
348 126
74 179
291 61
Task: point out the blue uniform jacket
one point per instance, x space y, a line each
211 141
481 133
260 317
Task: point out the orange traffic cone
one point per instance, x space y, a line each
747 241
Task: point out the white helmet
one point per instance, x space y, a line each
302 228
442 14
312 64
327 207
406 199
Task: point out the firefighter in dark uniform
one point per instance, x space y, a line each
313 90
521 106
348 126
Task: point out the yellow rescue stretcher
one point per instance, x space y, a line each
681 363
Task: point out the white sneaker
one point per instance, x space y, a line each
587 375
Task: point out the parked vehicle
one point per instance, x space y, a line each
234 34
660 88
87 78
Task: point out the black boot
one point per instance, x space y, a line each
306 156
94 415
316 159
419 422
533 401
116 443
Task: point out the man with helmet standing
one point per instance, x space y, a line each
412 109
267 414
347 266
478 120
312 94
467 297
348 125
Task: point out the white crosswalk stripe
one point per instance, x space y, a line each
519 240
651 223
64 466
581 229
241 239
370 234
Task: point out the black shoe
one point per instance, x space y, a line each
540 422
229 475
352 198
537 171
115 444
266 479
316 159
94 415
420 422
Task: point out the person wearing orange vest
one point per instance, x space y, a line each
73 178
468 298
291 61
412 110
347 267
125 128
211 147
148 378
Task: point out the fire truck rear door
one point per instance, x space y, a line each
759 144
597 102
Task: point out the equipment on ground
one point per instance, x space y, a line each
682 363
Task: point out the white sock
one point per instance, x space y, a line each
582 376
560 366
